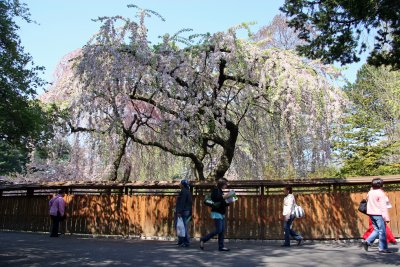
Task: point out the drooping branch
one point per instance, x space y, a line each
241 80
154 103
195 159
84 129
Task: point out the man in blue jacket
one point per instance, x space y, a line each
184 210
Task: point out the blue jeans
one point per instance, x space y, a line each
219 230
186 217
287 228
379 230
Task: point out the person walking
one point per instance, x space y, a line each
184 210
57 212
389 235
288 218
378 213
218 214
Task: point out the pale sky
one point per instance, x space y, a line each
65 25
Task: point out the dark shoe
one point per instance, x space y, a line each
201 244
365 245
284 245
300 242
385 251
185 245
54 236
224 249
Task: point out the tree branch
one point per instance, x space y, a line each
83 129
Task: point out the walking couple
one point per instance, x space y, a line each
183 208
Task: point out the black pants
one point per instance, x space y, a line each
55 225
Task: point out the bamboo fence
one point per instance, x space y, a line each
147 209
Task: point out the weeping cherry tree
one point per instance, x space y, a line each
191 101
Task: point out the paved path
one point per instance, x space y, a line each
33 249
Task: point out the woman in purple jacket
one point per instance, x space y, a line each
57 212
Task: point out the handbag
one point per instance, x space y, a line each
363 206
180 227
298 212
210 203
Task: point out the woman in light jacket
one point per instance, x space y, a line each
288 218
389 235
378 213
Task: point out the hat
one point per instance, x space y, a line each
185 183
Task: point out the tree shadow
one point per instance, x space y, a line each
37 250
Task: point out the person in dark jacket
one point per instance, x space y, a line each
218 214
184 210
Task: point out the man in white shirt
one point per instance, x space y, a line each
288 218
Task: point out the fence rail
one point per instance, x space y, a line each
146 209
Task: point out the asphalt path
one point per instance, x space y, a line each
35 249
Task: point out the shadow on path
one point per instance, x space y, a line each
30 249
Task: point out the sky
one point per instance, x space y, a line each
65 25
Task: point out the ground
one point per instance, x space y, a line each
35 249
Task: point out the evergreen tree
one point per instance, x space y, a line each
335 29
22 120
369 142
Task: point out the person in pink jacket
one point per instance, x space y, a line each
378 212
57 212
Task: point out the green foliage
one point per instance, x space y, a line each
12 158
368 144
366 160
335 29
57 149
324 172
23 122
19 115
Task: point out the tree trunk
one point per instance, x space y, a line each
228 153
118 157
